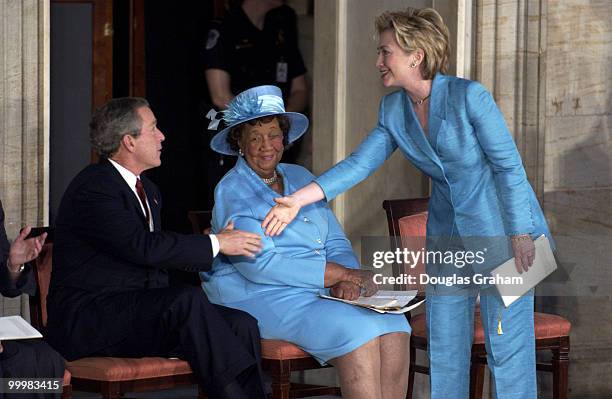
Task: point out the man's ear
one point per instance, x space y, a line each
128 142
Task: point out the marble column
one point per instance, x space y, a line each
24 117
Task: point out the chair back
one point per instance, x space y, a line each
200 220
41 267
407 220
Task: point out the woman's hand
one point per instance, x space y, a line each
281 215
345 290
364 279
524 252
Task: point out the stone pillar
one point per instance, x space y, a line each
24 116
508 60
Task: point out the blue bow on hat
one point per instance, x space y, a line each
254 103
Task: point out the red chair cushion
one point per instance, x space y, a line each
546 326
281 350
549 325
125 369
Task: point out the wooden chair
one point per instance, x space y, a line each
279 358
110 376
407 218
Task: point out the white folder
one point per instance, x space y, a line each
15 327
543 264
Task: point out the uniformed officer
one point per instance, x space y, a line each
255 44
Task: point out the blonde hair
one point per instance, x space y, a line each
419 29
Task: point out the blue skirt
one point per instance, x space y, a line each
324 328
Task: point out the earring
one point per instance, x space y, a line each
240 152
413 65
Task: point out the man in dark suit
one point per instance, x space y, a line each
109 293
32 358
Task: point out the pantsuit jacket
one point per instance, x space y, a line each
103 247
479 185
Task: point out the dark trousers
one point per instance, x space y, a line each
30 358
222 345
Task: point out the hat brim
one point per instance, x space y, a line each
298 126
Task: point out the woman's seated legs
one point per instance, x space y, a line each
376 369
359 371
394 364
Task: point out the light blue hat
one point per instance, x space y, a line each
254 103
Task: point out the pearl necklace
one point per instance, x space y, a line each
270 181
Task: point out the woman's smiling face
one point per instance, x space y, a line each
262 145
393 62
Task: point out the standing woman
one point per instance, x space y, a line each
452 130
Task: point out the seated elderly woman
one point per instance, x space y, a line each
281 285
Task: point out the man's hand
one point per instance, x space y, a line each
23 250
345 290
237 242
524 252
364 279
281 215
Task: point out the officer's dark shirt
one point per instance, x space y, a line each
253 57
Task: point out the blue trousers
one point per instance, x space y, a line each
510 356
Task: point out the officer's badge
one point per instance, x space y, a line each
211 40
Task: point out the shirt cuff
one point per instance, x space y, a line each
215 244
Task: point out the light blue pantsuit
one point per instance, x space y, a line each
480 194
280 287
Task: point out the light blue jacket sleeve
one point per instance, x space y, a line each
271 266
373 151
338 247
503 156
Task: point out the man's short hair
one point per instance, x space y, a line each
112 121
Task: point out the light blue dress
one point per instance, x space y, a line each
281 286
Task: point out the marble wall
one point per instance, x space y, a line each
24 119
547 64
578 181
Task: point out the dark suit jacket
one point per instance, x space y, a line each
103 248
